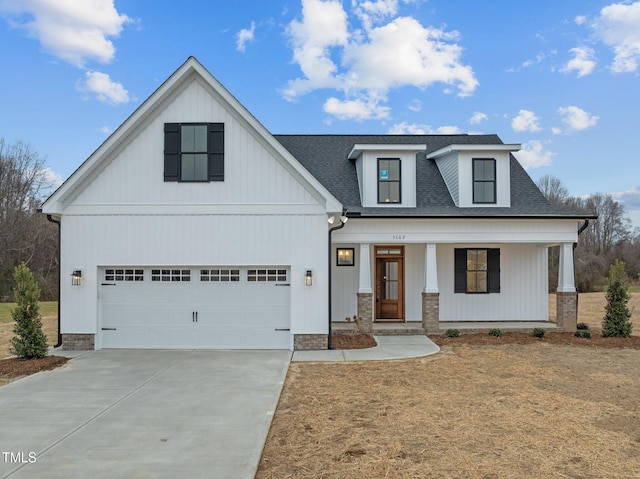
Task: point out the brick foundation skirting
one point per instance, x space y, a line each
365 312
431 312
309 342
78 342
567 311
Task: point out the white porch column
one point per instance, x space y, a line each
430 295
365 269
566 281
430 269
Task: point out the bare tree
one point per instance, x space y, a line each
25 236
553 190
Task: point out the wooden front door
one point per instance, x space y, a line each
390 283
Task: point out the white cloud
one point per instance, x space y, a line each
415 105
582 62
245 36
370 12
630 197
580 20
525 121
533 155
576 118
364 64
478 117
52 179
106 130
105 89
539 58
619 27
323 26
75 31
405 128
355 109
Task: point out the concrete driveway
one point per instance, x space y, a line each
142 414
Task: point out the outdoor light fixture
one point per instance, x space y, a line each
76 277
344 257
308 278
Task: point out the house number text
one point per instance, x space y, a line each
399 237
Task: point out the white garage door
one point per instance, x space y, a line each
207 307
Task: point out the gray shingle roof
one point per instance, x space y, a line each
325 156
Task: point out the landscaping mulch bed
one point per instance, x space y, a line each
13 367
483 339
353 341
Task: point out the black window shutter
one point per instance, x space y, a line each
215 146
460 269
171 151
493 267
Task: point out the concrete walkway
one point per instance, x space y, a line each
142 414
389 347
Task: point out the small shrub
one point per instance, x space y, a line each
617 315
29 341
495 332
538 332
583 333
582 327
452 333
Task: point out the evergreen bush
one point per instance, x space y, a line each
617 315
538 332
30 341
452 333
495 332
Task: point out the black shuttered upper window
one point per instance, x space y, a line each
194 152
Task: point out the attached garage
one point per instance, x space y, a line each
206 307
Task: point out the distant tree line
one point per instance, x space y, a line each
605 240
25 235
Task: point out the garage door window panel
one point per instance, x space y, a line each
170 275
268 275
219 275
123 274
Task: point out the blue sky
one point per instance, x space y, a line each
560 77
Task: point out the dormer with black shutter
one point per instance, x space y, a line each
194 152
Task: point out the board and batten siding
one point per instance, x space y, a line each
523 286
295 241
254 173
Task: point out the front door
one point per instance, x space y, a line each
390 283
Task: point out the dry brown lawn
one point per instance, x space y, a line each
508 410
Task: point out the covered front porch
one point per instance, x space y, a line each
418 288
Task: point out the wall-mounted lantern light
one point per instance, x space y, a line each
308 278
76 277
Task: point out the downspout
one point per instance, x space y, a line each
343 221
53 220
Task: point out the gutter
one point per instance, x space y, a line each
53 220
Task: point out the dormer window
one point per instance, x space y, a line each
389 187
484 180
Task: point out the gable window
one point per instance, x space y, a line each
194 152
484 180
389 190
477 270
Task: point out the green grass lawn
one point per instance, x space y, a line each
46 308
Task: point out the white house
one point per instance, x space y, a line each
192 226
